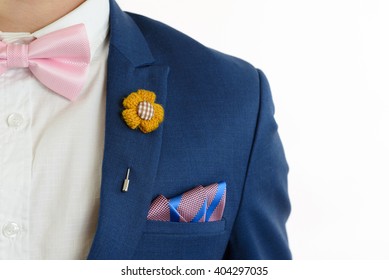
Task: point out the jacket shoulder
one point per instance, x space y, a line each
187 55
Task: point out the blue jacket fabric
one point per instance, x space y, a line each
218 126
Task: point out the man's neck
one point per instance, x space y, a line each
32 15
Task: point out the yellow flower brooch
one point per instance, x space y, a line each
141 111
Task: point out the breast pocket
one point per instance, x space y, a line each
170 240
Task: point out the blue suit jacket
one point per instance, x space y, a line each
218 126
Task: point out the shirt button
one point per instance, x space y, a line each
15 120
11 230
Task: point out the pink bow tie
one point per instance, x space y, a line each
59 60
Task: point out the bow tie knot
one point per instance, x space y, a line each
59 60
17 56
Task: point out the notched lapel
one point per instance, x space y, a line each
122 215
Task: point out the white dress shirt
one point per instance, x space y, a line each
51 151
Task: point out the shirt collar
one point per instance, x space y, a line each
94 14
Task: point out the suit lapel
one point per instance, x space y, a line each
122 215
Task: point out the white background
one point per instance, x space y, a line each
328 66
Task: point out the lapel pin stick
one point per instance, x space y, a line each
126 181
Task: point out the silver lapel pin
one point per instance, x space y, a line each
126 181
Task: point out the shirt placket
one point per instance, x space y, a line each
15 163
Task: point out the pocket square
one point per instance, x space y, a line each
201 204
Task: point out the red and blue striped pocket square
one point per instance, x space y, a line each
201 204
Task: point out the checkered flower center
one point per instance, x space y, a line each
145 110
